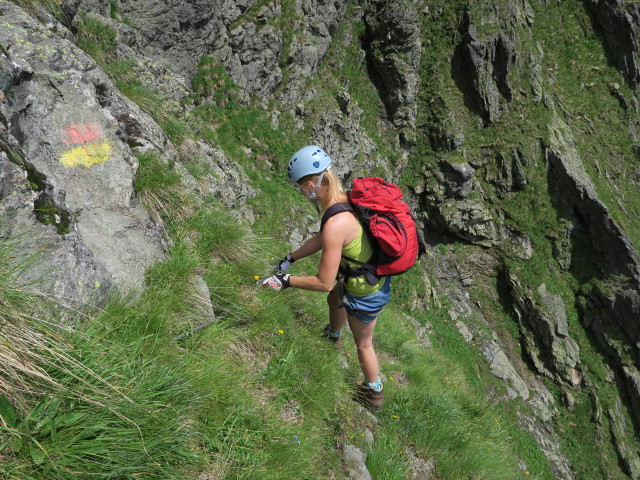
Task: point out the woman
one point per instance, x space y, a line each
351 299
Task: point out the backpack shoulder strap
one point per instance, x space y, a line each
334 210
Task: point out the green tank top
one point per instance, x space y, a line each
359 249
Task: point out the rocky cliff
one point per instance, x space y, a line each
513 125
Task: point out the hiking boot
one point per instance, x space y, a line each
333 337
370 398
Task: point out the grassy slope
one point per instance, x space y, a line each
236 399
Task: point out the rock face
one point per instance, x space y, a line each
620 25
469 219
225 179
345 141
550 445
69 133
627 454
612 307
543 325
482 69
393 51
501 367
576 197
179 33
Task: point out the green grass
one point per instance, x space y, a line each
239 395
235 398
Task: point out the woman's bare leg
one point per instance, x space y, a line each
363 336
337 312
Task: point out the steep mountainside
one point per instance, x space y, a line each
512 125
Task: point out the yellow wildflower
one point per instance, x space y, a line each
280 332
395 416
256 277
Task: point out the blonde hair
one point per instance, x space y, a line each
334 192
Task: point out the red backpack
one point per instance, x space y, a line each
388 222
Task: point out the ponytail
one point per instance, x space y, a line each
335 192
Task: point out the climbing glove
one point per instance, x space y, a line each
283 265
278 282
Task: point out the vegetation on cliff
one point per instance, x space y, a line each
521 162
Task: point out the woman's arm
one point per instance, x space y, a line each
331 241
311 246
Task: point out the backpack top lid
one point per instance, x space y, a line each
375 193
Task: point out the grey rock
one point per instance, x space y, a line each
170 85
252 59
572 189
550 446
510 175
98 7
315 26
317 23
627 454
555 306
74 131
620 24
501 368
541 406
224 179
464 331
419 468
179 33
441 126
394 49
458 178
59 264
481 69
568 400
611 308
562 246
201 308
543 325
344 102
632 379
354 459
353 153
469 219
422 332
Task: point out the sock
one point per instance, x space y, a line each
330 332
375 386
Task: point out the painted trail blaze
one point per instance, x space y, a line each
92 148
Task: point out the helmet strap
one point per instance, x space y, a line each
313 196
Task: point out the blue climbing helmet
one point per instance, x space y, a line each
307 161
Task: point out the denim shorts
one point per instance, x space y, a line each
366 309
